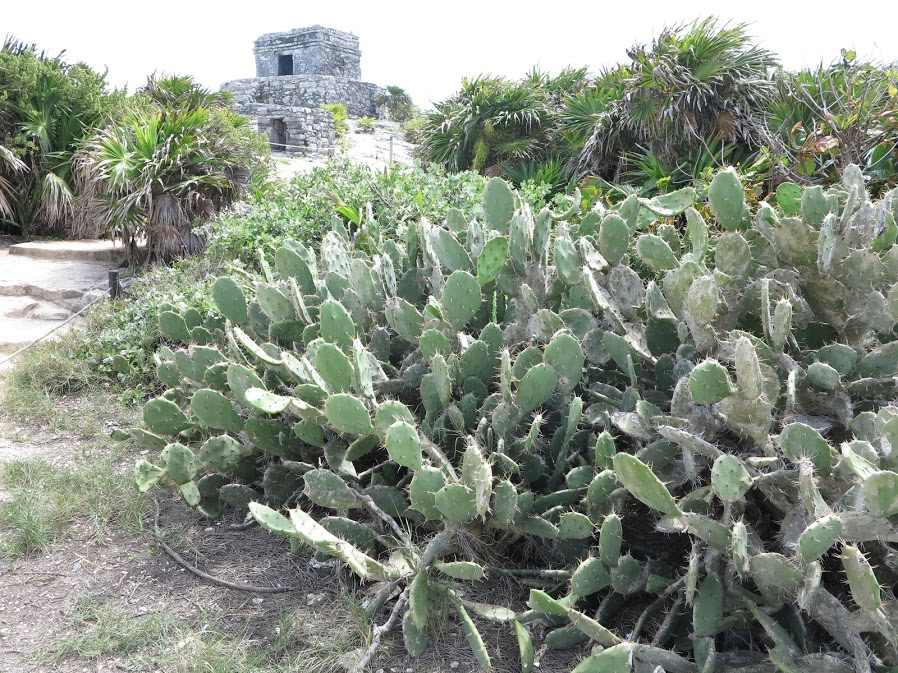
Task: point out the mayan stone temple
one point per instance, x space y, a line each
298 71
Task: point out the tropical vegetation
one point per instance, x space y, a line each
671 417
648 394
175 158
698 97
398 103
46 107
78 160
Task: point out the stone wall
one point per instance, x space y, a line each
310 91
307 130
316 50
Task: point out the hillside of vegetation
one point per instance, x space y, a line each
698 97
630 407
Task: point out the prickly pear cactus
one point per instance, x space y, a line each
690 419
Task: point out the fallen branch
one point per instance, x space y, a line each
377 633
177 558
383 516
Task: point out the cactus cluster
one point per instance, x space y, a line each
673 418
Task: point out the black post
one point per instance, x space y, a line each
114 288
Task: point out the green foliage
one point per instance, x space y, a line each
120 338
339 115
397 102
46 107
172 161
703 467
822 120
307 205
693 85
366 124
698 96
489 121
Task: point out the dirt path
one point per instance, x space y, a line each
101 597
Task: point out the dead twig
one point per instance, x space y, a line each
377 633
177 558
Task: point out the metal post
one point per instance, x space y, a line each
391 150
115 289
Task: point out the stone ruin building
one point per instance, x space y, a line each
296 73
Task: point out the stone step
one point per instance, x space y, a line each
18 332
69 284
81 251
29 307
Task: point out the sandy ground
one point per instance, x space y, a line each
371 149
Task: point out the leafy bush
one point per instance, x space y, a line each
630 408
489 121
822 120
398 103
698 96
339 116
119 339
46 106
413 128
305 208
366 124
694 85
176 158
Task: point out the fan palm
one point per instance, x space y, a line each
693 85
46 106
11 167
165 166
490 120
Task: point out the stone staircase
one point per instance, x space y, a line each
43 283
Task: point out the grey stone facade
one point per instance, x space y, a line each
315 50
308 91
303 130
297 72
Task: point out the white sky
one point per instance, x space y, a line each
425 47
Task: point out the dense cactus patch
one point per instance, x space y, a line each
687 406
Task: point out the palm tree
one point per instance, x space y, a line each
398 103
174 160
695 84
490 120
46 107
10 168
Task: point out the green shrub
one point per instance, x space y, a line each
176 158
119 339
46 106
631 409
413 127
339 116
367 124
398 103
304 208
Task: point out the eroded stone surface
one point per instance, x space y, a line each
39 292
314 50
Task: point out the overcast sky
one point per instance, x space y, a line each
425 47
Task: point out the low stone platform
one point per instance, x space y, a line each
43 283
61 281
90 251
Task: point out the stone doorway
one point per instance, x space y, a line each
285 64
278 135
